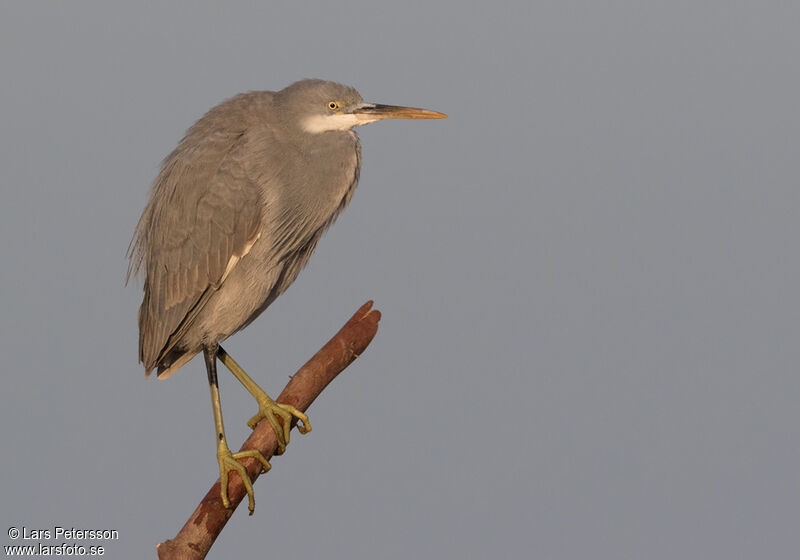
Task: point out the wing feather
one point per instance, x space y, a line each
203 216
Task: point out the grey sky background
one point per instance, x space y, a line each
588 276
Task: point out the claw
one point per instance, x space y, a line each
269 409
230 462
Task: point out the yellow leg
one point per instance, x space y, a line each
267 408
227 460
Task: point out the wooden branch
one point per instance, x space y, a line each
204 525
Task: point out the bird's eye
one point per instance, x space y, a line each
333 105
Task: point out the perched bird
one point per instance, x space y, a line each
232 218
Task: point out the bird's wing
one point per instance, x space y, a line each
204 215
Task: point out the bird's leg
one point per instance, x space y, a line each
267 408
228 461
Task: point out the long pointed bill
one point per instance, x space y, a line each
371 112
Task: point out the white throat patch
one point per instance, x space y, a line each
336 121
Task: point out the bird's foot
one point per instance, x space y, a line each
269 409
230 462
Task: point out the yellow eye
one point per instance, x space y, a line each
333 105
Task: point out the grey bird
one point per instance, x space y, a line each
232 218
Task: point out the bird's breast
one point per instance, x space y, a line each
330 171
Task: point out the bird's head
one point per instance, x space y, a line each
319 106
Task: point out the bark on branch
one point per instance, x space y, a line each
194 540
